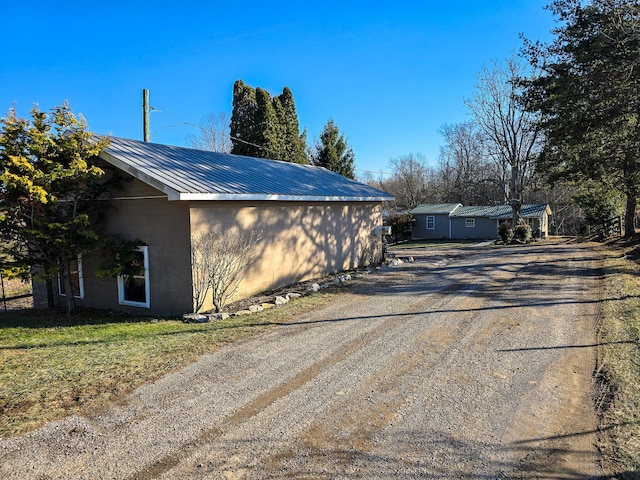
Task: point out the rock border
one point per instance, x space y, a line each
284 296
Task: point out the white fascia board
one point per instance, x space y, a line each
274 197
143 177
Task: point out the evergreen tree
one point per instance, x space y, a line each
265 126
50 189
589 96
333 151
269 135
294 142
242 128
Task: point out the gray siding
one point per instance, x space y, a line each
419 229
484 229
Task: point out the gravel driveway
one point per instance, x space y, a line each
467 363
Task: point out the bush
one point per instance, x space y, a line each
401 224
506 232
522 232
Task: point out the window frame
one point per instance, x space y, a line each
121 279
430 219
80 281
470 223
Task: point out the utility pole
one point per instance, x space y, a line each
145 115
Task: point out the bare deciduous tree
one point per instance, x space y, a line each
214 134
200 250
220 262
466 174
511 134
409 181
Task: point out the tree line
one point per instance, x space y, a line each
559 124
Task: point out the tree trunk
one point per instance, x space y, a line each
50 299
630 215
70 300
514 201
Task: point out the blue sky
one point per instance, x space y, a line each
390 74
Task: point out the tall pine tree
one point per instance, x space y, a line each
589 96
294 142
242 128
265 126
333 152
268 129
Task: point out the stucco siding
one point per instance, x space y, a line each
140 213
299 241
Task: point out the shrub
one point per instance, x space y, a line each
522 232
401 224
506 232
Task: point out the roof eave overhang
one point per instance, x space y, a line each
125 167
175 195
267 197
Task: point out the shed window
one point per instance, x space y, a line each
470 223
134 289
431 222
77 282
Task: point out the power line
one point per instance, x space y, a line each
183 122
262 147
373 172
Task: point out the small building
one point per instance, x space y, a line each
474 222
433 221
313 222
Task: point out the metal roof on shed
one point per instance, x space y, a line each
435 208
502 211
482 211
189 174
530 211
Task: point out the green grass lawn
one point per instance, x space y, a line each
52 366
619 365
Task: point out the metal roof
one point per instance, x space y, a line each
482 211
189 174
529 211
502 211
436 208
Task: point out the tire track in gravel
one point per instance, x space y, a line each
357 420
388 321
350 438
235 463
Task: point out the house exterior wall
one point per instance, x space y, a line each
143 213
300 241
419 230
484 229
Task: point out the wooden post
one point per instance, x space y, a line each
145 114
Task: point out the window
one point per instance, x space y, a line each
431 222
470 223
77 282
133 289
